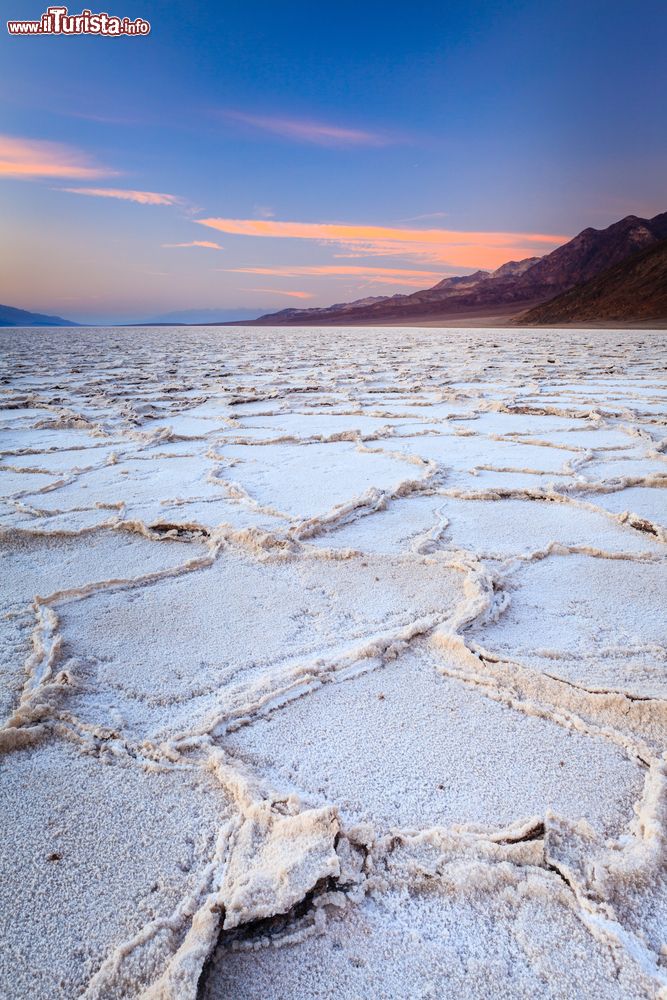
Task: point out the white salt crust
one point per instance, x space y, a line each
333 665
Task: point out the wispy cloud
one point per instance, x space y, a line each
303 130
102 119
263 212
442 246
302 270
371 275
427 215
206 244
27 159
281 291
377 279
140 197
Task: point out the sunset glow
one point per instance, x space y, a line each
153 175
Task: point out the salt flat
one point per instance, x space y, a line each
333 663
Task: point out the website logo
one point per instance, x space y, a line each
58 21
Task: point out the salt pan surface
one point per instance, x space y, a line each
333 665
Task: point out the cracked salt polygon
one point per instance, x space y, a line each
628 465
412 523
62 462
504 423
509 527
106 847
648 502
16 483
304 481
403 747
595 621
35 565
512 941
134 481
458 453
310 425
238 631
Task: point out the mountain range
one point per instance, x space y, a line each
199 317
612 275
516 291
186 317
21 317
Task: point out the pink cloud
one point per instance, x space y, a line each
27 159
280 291
302 130
140 197
335 270
206 244
369 275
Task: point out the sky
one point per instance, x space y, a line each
254 156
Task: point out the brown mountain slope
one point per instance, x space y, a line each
632 291
517 285
590 253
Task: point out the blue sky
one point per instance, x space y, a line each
401 144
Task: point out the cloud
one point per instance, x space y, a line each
428 215
140 197
303 130
298 271
103 119
345 232
372 275
207 244
411 282
280 291
28 158
443 246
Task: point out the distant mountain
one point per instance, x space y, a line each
633 291
20 317
338 310
374 309
501 294
199 317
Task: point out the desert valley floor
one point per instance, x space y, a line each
332 664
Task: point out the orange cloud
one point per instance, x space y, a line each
140 197
336 270
27 158
444 246
446 255
207 244
319 133
280 291
342 232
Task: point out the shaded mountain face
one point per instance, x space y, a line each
590 253
634 290
21 317
514 286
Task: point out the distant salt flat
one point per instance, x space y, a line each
333 664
